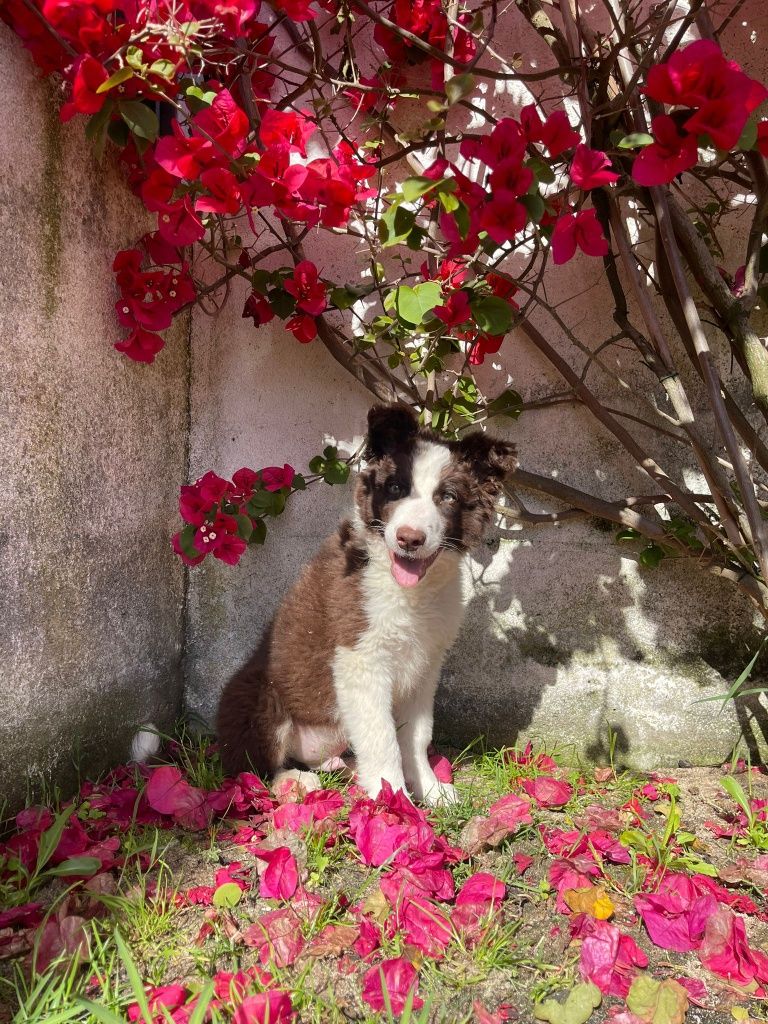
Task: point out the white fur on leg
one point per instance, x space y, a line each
415 716
364 699
145 743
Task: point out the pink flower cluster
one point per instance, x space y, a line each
712 98
213 164
223 515
456 313
149 299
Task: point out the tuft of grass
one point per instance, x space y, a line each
192 747
757 829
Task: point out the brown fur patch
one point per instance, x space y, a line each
289 675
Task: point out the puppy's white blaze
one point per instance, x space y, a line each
429 461
145 743
418 510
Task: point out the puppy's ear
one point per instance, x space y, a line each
489 458
390 427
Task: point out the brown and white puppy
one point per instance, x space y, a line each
353 657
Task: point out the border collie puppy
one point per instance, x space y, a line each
353 657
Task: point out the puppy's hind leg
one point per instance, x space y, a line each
252 725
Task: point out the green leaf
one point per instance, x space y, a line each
227 895
163 68
541 169
657 1002
336 472
395 225
198 99
634 838
76 866
97 127
283 304
458 87
508 403
134 57
635 140
699 867
244 527
577 1009
413 304
627 533
343 298
187 541
413 188
261 281
748 137
120 76
299 483
461 216
491 313
736 792
650 557
118 133
49 840
535 206
140 119
259 534
266 503
448 201
202 1004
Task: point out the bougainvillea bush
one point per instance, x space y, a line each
252 131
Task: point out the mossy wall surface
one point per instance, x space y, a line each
92 450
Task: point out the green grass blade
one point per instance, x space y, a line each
201 1006
49 840
734 690
134 977
99 1012
735 792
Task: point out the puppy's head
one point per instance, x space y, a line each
425 495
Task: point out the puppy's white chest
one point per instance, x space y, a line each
409 630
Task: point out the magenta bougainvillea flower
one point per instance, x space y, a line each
668 155
578 231
590 168
398 977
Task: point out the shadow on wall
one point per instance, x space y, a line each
566 640
612 658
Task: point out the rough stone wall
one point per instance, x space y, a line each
91 454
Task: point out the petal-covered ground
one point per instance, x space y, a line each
548 892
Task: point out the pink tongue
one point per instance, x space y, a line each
408 571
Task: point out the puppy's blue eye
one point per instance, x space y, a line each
394 490
450 497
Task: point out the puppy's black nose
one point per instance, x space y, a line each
410 539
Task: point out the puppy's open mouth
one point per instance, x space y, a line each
410 571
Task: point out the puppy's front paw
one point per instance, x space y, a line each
372 782
442 793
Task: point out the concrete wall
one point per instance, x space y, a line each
93 448
567 639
